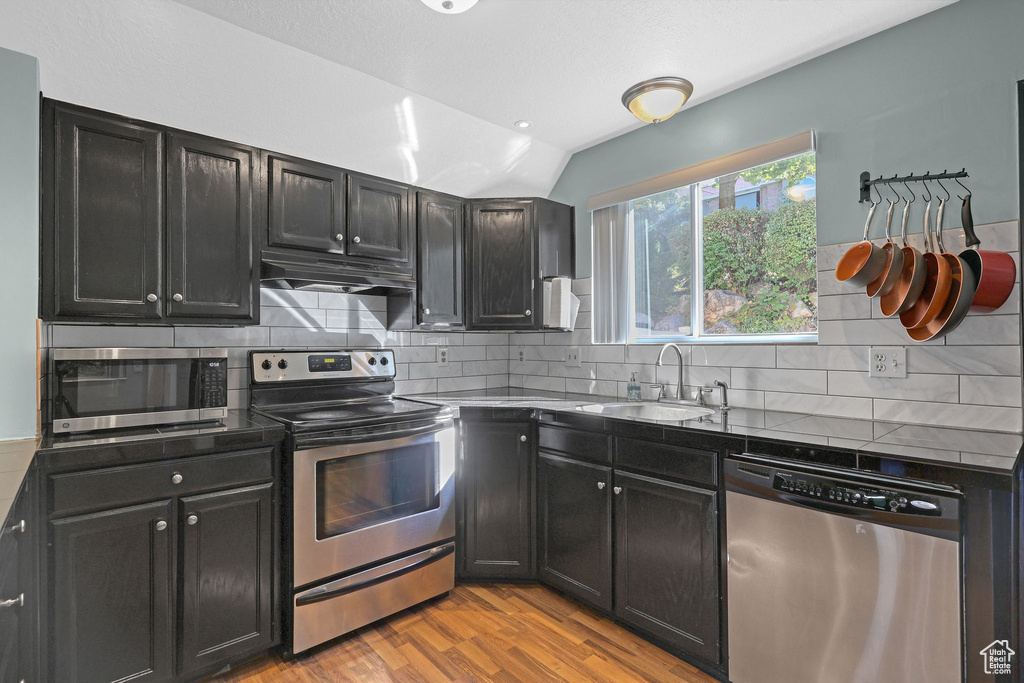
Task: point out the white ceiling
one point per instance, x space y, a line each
563 64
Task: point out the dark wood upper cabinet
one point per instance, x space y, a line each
667 562
306 205
378 219
556 239
113 595
102 216
574 528
210 236
226 576
439 230
501 253
497 497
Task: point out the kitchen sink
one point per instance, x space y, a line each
658 412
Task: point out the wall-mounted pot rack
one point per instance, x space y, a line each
866 182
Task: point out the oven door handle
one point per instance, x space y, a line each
342 437
434 556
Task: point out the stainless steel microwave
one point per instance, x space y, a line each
113 388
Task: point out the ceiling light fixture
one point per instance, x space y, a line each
522 123
657 99
449 6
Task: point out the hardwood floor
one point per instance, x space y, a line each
482 633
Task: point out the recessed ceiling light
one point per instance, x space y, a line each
449 6
657 99
522 124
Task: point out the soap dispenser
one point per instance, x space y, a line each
633 389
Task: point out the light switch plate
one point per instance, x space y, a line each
442 356
572 357
887 361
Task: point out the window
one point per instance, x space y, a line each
744 242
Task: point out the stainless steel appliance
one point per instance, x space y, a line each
370 477
111 388
839 575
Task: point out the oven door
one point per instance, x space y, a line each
358 503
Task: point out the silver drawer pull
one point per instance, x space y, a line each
177 297
151 297
600 485
14 602
528 312
426 311
192 519
161 525
617 490
523 437
356 239
339 237
176 478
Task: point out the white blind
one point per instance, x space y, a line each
730 163
610 281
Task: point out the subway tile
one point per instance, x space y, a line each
581 286
585 371
914 387
835 406
647 354
497 353
436 338
828 255
416 354
949 415
515 380
548 353
622 373
416 386
828 284
361 320
591 386
284 337
865 333
734 355
990 391
990 329
287 298
222 336
487 338
530 367
372 338
543 383
467 353
461 383
844 307
429 370
338 300
613 353
787 380
823 357
308 318
977 360
85 336
238 378
484 367
238 399
497 381
745 398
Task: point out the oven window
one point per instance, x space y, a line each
371 488
87 388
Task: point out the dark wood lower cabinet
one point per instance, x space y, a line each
497 498
226 574
666 569
112 600
574 528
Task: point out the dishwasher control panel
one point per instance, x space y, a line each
847 494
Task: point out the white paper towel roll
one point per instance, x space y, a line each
558 298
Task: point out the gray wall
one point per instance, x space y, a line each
936 92
19 235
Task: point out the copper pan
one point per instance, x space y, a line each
938 278
910 283
886 280
863 261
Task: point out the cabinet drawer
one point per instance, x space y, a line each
96 489
583 445
675 461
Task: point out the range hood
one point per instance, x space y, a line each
316 275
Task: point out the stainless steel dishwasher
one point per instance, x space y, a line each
841 576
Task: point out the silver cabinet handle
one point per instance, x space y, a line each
20 526
528 312
356 239
426 311
161 525
177 297
600 485
151 297
176 478
339 237
14 602
617 490
192 519
523 437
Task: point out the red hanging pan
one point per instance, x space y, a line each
995 271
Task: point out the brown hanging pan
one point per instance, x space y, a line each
886 280
957 303
995 271
863 261
938 277
910 283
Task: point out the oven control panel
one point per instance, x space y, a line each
297 366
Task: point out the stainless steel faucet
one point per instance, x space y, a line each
679 384
725 394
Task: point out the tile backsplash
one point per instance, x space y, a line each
971 378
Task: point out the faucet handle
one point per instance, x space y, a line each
702 393
661 390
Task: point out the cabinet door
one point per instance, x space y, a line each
306 205
666 568
378 219
112 595
226 576
439 234
574 528
210 264
555 239
103 217
501 256
497 498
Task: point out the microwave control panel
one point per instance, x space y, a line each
297 366
213 382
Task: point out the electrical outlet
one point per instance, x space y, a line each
572 357
521 352
442 356
887 361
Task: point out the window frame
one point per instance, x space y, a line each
697 281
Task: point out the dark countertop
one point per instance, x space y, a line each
975 449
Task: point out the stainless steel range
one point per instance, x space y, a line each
370 478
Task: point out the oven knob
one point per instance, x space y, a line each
266 365
282 363
372 360
384 360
